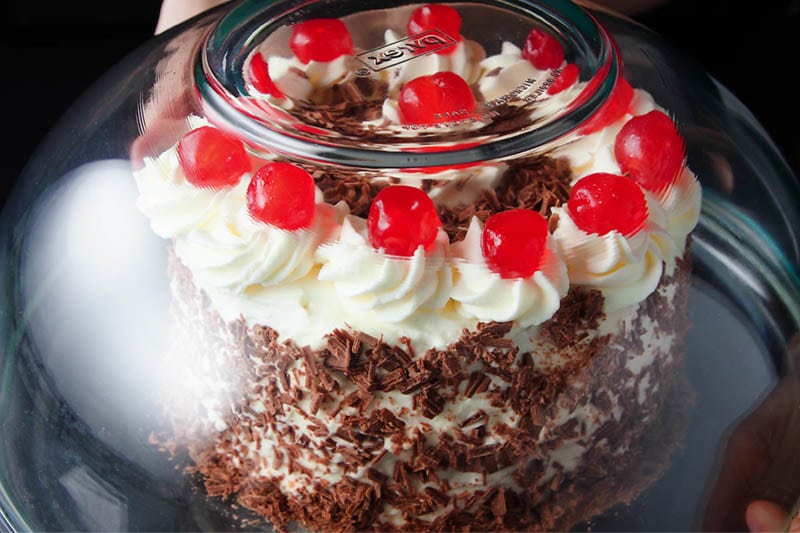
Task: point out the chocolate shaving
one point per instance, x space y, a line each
580 310
429 402
345 378
538 183
381 423
498 505
478 383
357 190
345 107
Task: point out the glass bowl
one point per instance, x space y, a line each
502 264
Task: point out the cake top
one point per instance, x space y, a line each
301 244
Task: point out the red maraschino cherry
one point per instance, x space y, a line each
436 98
320 40
401 219
543 50
260 78
600 203
650 151
513 242
613 109
567 78
282 195
436 17
212 159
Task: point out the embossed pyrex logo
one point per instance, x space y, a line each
411 47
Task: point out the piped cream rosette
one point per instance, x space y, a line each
677 212
463 58
682 207
232 251
299 81
594 152
485 295
508 77
172 204
215 236
626 269
391 288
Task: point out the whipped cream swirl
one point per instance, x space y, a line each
677 211
682 206
299 81
173 205
594 152
233 251
463 58
215 236
484 295
626 269
508 76
391 288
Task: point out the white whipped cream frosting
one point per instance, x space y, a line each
390 288
307 283
464 58
679 210
232 251
484 295
216 237
506 72
682 206
626 269
299 80
173 205
594 152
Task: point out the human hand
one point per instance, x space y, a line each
762 515
758 487
173 12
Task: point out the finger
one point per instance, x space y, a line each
794 520
173 12
763 516
760 460
743 463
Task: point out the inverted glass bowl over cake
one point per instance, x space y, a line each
396 267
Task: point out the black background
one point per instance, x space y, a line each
51 51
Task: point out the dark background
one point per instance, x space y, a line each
51 51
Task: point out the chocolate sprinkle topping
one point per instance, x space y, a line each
357 190
346 107
538 183
386 398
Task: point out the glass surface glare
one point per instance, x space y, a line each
87 321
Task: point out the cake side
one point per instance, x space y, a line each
494 345
399 413
362 434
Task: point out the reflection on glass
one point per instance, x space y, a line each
102 507
94 289
156 314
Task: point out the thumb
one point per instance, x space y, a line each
765 516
